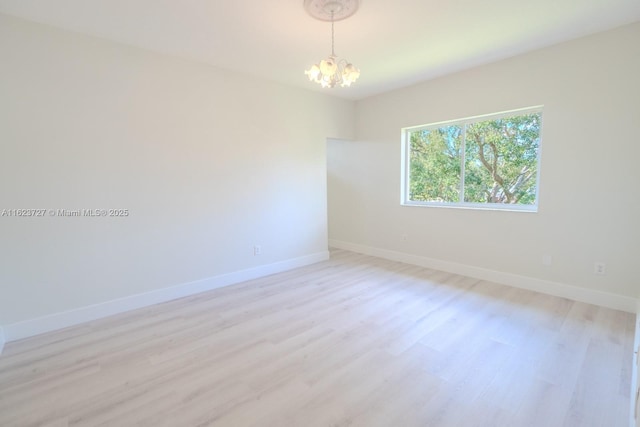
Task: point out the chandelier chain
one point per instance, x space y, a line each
333 53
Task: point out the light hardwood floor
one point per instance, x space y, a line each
354 341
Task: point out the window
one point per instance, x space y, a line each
486 162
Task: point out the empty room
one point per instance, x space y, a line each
319 213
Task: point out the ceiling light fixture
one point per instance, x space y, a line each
333 70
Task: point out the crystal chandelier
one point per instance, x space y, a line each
333 70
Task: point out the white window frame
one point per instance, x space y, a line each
405 164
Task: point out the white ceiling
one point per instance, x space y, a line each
394 43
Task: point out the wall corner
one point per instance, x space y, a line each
635 375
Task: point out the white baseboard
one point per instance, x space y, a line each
2 339
590 296
32 327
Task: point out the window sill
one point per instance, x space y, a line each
474 206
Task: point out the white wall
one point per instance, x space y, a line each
589 207
207 162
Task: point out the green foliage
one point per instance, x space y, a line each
435 164
500 161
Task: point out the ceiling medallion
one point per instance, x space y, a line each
328 10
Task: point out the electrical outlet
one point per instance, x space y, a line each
257 250
547 260
599 268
